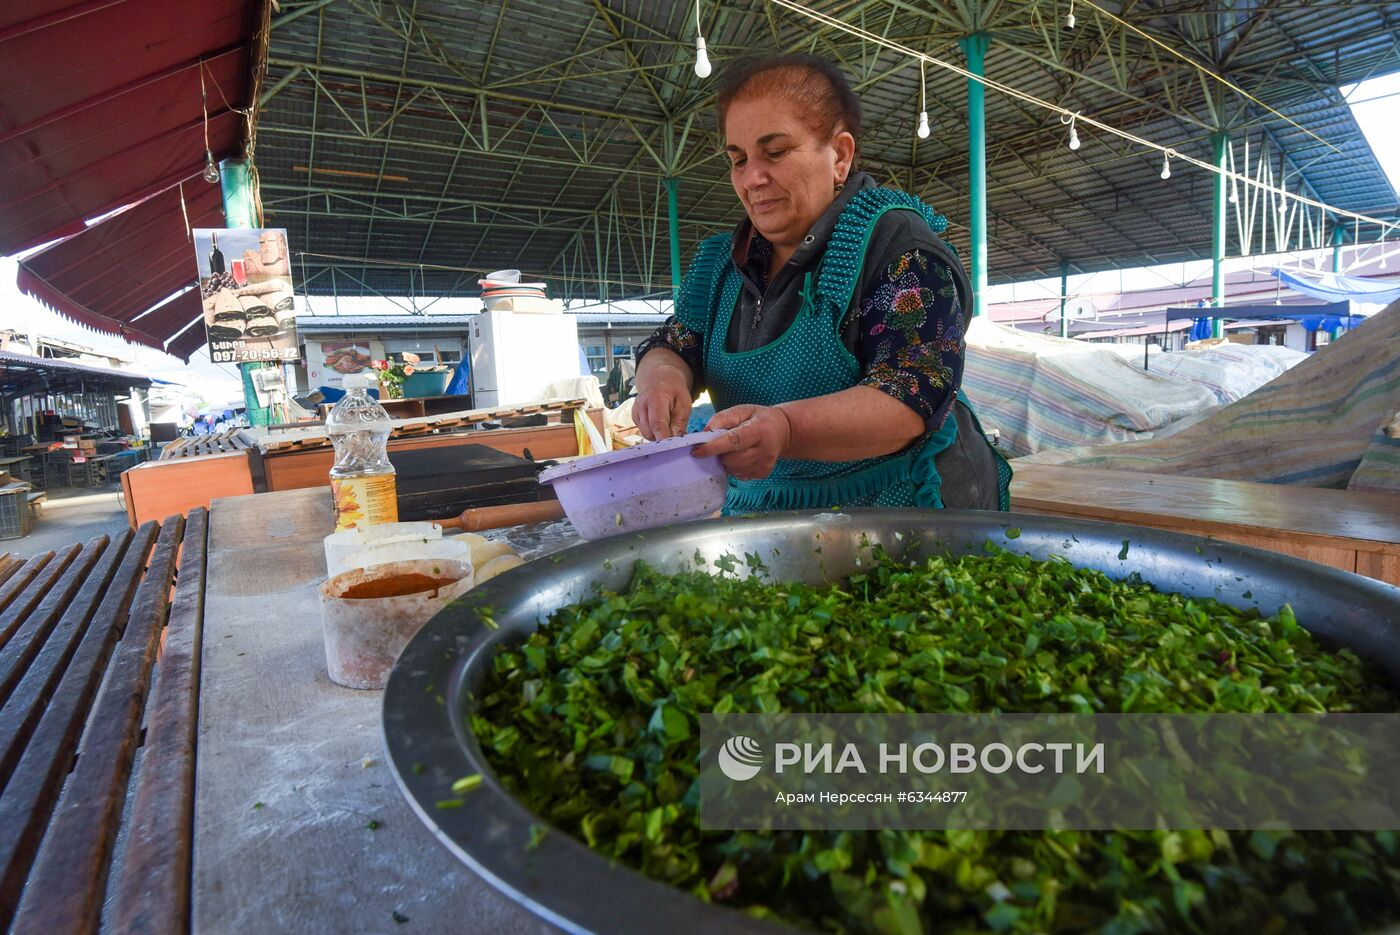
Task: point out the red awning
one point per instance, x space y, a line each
186 343
101 110
111 275
101 104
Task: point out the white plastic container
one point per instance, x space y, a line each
365 546
369 615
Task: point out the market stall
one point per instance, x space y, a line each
63 423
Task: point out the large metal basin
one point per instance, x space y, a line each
431 745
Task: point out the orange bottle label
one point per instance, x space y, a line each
365 501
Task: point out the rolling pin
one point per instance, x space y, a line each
510 514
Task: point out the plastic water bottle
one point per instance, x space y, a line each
362 479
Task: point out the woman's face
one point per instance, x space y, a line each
783 173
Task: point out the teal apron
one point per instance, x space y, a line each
810 360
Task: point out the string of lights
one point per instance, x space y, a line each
1074 118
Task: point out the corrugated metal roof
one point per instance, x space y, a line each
24 373
408 151
334 324
619 318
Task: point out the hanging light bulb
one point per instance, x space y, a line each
702 60
1232 197
1073 130
923 104
1166 165
1069 20
211 171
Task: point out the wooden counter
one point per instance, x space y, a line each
1357 532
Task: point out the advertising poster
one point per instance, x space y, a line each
328 363
245 280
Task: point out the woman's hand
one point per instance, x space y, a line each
755 438
662 407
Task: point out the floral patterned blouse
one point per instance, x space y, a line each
911 332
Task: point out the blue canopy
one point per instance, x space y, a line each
1277 312
1340 288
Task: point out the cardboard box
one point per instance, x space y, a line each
87 446
71 441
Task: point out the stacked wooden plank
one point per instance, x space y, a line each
81 632
555 410
217 443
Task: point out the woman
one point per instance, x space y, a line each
828 327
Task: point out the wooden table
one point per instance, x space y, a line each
1357 532
292 769
18 466
92 471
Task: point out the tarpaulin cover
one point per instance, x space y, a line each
1327 422
101 105
1334 287
1043 392
112 274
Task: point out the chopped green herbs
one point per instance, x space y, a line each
592 722
466 783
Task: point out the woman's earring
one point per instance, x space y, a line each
840 186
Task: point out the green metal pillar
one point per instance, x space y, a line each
1219 208
975 49
1064 297
238 194
674 220
239 213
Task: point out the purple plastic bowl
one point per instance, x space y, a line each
651 484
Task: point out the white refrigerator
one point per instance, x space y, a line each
515 355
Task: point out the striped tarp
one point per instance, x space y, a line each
1317 425
1047 392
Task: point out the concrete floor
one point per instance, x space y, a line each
71 515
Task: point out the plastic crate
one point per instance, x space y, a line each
15 517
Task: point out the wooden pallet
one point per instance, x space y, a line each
218 443
406 428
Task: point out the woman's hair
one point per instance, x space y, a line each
817 87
